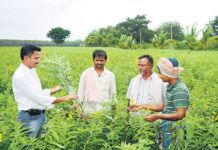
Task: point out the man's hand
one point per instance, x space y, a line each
65 98
70 96
134 108
55 89
151 117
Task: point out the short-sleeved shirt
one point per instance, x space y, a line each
150 91
177 96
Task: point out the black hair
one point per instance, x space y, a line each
99 53
150 59
28 50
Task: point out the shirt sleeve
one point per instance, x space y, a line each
34 93
113 87
180 98
163 91
81 89
47 92
128 94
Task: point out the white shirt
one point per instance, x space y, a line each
150 91
27 89
106 87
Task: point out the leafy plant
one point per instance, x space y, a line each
126 42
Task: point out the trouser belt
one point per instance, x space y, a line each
34 111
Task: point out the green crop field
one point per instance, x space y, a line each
66 129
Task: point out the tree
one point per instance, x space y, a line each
94 39
109 35
102 37
160 40
206 36
58 34
137 28
214 25
126 42
174 27
191 36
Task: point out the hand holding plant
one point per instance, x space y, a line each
134 108
71 96
60 69
151 117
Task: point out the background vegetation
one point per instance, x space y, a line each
135 33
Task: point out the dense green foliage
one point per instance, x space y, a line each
191 36
214 24
103 37
138 28
160 40
126 42
65 129
58 34
173 29
206 36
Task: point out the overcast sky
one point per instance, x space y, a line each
32 19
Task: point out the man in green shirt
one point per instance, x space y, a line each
177 102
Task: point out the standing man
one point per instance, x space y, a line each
97 84
177 100
147 87
31 98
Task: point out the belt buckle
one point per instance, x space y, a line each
33 112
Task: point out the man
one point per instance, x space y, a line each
147 87
97 84
31 98
177 99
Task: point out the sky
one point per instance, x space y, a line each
32 19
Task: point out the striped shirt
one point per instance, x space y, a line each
177 96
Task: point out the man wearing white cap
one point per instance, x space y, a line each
177 101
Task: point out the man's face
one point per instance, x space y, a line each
144 66
33 60
163 77
99 62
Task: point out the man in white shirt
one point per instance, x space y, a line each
32 100
147 87
97 84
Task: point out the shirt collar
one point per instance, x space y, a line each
105 71
169 87
152 76
26 69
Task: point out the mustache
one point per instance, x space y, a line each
99 65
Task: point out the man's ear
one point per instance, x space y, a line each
26 57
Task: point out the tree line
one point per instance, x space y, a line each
7 42
134 33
